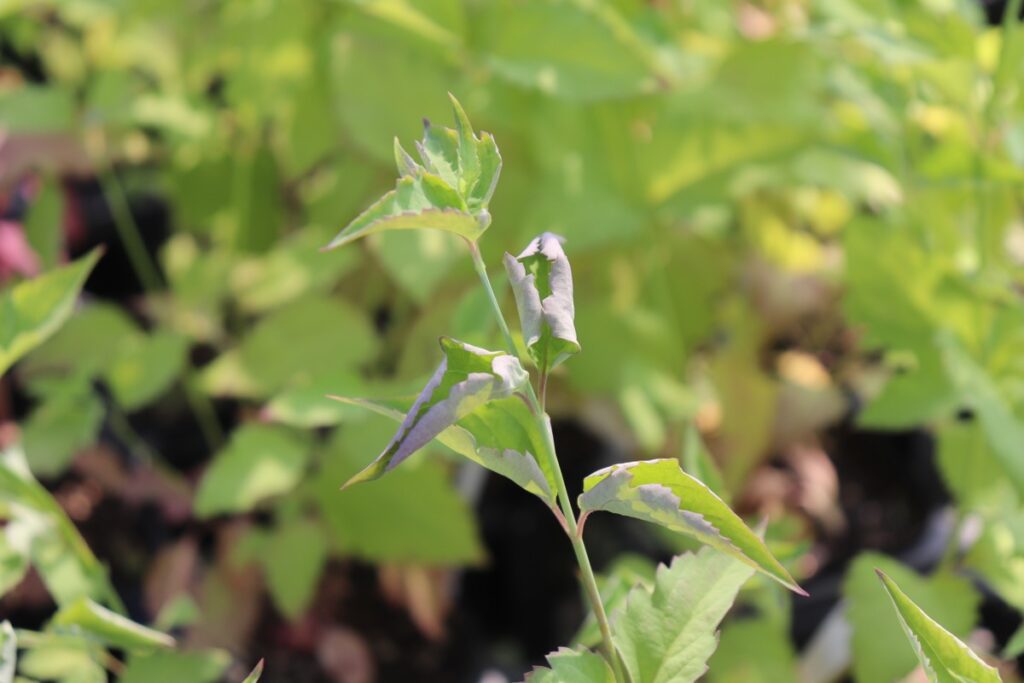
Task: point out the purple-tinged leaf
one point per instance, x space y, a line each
542 283
468 378
659 491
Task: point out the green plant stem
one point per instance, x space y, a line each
149 276
128 232
587 577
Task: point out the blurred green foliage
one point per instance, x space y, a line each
842 179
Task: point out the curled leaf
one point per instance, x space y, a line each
468 378
542 283
659 491
448 189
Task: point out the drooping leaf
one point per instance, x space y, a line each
573 666
254 675
542 283
944 658
66 421
176 667
33 310
63 659
666 635
110 627
501 436
260 461
468 378
292 556
449 190
880 652
659 491
8 652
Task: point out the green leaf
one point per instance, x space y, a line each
8 652
1004 430
879 648
32 311
67 421
41 530
573 666
413 515
145 367
206 666
698 463
63 659
293 556
469 377
500 436
260 462
659 491
254 675
450 191
525 43
944 658
292 347
542 283
754 650
666 635
110 627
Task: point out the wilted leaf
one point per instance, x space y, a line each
31 311
468 378
542 283
944 658
573 666
110 627
666 635
659 491
260 461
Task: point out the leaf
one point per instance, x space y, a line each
260 462
8 652
450 191
698 463
254 675
57 551
542 283
666 635
145 367
879 649
1004 430
32 311
67 421
293 556
659 491
467 378
628 572
110 627
754 650
573 666
207 666
525 43
293 347
412 516
944 658
63 659
498 436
